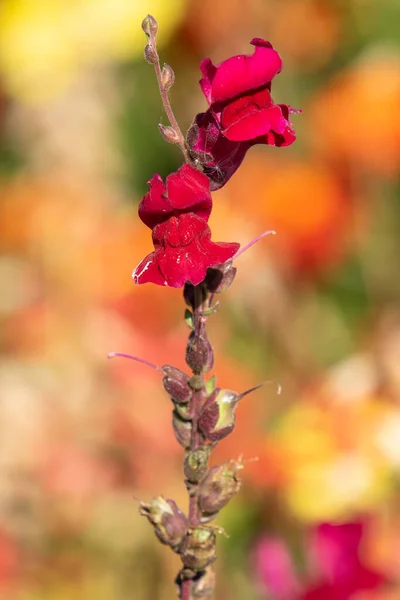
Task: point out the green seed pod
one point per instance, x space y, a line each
198 548
169 522
217 418
196 464
219 487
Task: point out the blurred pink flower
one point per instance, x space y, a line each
335 569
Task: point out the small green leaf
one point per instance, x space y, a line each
210 385
189 319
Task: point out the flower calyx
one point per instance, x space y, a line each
169 522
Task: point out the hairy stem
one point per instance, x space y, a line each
166 102
196 439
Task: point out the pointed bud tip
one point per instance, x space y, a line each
169 134
149 25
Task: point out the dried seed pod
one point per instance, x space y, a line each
182 430
169 522
219 487
198 548
196 464
199 353
176 384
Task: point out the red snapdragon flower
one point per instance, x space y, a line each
183 252
242 112
187 190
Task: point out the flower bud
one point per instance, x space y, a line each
150 54
198 548
219 279
176 384
182 430
220 485
169 134
196 464
149 25
170 523
217 419
199 353
167 77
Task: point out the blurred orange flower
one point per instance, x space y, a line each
303 201
356 117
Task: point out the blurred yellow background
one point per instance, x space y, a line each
315 308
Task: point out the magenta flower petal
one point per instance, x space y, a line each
188 190
242 73
208 70
256 124
247 104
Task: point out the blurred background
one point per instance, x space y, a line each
314 308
